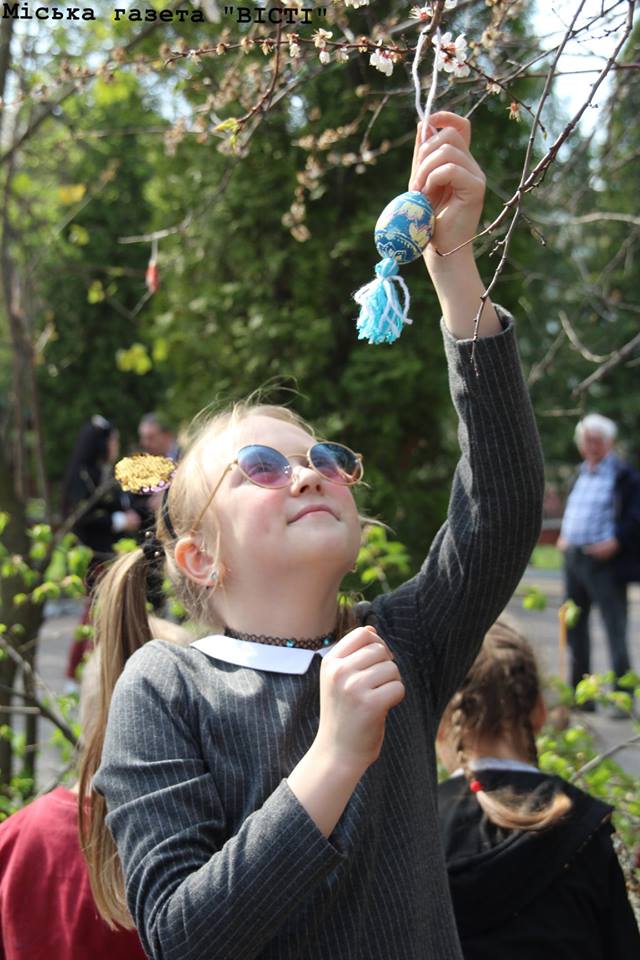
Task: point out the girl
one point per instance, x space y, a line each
532 869
266 786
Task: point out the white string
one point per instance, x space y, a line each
425 113
392 317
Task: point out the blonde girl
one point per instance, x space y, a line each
265 788
532 869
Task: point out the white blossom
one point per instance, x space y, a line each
382 62
450 4
320 38
452 55
325 56
423 14
294 50
342 55
356 3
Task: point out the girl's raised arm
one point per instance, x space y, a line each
478 556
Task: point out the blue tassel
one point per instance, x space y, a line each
382 316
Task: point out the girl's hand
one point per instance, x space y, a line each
359 684
446 173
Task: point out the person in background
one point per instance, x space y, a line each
157 438
531 865
100 513
47 911
46 905
600 539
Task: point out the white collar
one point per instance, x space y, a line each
257 656
497 763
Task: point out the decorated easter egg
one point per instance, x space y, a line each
404 227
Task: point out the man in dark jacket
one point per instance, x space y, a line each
600 537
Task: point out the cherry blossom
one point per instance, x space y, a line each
382 62
452 55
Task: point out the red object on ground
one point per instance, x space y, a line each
46 906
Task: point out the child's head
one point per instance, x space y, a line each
498 711
232 534
499 705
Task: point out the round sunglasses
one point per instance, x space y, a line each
266 467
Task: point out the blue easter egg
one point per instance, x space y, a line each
404 227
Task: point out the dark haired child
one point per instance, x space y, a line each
532 869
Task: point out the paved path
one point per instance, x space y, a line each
541 627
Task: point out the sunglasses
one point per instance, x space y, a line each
267 467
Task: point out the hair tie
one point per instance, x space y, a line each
164 513
475 786
151 547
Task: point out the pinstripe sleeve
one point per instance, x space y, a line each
188 886
479 554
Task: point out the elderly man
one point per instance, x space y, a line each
600 537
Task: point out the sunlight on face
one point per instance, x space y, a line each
310 520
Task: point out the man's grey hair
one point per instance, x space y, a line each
596 423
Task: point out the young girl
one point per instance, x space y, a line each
532 869
266 787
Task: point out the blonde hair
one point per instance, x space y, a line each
497 697
121 626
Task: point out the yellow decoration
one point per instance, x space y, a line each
144 473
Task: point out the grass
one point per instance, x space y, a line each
546 557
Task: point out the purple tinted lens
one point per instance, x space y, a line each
264 466
335 462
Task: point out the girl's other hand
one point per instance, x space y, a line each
359 684
446 173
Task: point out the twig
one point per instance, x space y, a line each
47 712
616 357
632 742
573 338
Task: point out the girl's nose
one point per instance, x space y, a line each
304 478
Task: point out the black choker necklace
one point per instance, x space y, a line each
301 643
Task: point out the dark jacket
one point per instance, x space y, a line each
627 519
555 895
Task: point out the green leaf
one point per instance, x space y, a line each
125 545
78 559
38 551
134 360
572 614
96 292
78 235
534 599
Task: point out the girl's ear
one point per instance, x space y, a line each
194 562
538 715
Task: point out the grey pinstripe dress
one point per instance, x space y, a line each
221 862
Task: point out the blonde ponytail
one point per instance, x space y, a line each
121 627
